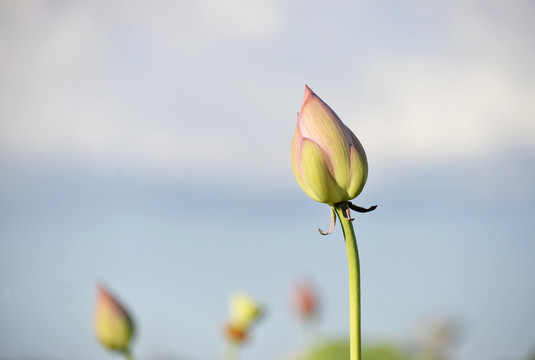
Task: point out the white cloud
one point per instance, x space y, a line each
470 98
432 112
247 19
71 89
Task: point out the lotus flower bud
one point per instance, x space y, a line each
113 325
328 160
305 299
244 311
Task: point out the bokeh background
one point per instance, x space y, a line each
146 145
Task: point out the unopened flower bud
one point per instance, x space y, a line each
244 311
328 160
305 299
113 325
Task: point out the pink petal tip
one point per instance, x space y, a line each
308 94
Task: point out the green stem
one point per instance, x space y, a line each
128 355
354 284
231 351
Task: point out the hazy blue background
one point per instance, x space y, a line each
146 145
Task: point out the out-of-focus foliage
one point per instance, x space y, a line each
331 350
385 352
339 350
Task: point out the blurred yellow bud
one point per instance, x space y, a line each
244 311
113 325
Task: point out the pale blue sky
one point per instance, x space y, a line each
147 146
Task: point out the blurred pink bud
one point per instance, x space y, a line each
305 299
113 325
